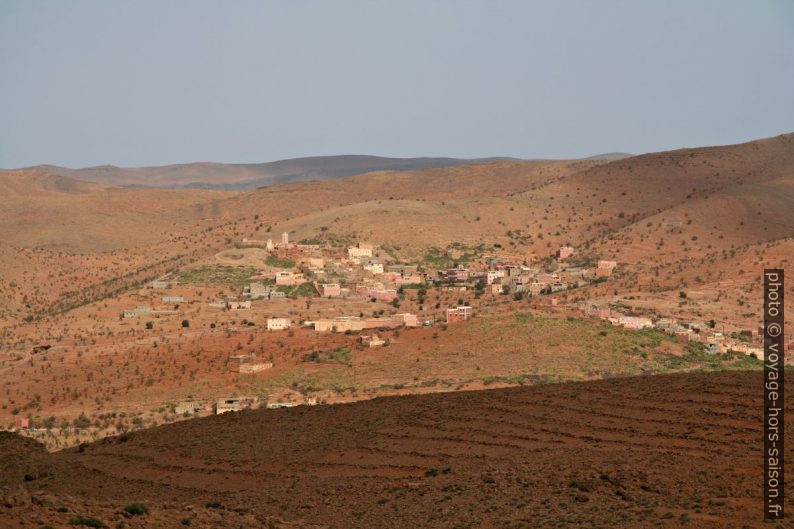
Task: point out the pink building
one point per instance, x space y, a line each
603 272
458 314
564 252
237 305
459 273
380 294
22 423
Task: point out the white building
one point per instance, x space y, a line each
362 250
374 268
278 324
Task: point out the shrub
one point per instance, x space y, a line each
136 509
88 521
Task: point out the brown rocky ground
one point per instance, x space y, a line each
677 450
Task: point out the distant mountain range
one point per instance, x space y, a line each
239 177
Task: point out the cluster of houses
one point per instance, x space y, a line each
503 276
747 341
262 291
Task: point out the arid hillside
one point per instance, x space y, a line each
654 451
690 232
246 176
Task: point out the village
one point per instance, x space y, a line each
338 284
358 291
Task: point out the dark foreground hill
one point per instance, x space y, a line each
660 451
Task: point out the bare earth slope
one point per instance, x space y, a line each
671 451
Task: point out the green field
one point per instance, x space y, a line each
275 262
217 275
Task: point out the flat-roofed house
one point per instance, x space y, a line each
329 290
228 404
374 268
360 250
372 340
289 278
254 367
278 324
257 290
173 299
187 407
458 314
338 324
564 252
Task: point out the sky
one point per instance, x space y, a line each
91 82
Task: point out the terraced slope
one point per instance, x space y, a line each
672 451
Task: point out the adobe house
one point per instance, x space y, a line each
564 252
249 368
159 284
189 407
173 299
492 275
257 290
289 278
372 340
329 290
278 324
603 272
22 423
238 305
459 314
634 322
459 273
233 404
236 360
338 324
360 250
316 263
407 319
379 293
374 268
409 279
536 287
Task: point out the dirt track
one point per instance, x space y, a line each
675 450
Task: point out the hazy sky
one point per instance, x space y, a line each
156 82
